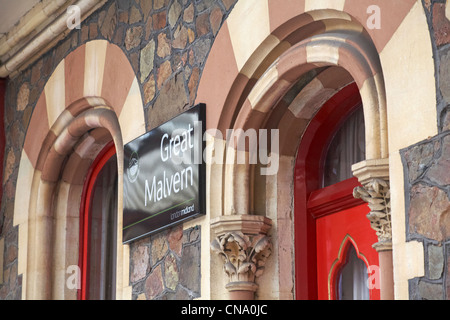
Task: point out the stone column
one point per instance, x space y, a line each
374 178
243 244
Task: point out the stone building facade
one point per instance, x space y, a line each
135 64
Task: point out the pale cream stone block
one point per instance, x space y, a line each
408 68
371 117
60 242
264 83
285 229
447 9
321 52
131 118
55 94
342 23
411 106
94 67
269 284
249 27
123 288
213 156
23 190
64 119
267 91
338 5
84 148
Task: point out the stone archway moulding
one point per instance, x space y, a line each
91 98
260 52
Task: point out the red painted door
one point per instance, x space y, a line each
333 237
347 265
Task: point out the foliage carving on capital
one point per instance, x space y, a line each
244 256
376 193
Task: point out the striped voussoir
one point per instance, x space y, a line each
92 98
255 61
274 63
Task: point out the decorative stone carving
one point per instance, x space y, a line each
374 177
243 244
377 194
244 256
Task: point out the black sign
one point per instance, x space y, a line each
164 175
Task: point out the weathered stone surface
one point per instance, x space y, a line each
435 261
23 96
430 291
419 159
171 272
174 13
445 123
164 72
188 15
193 82
163 45
175 239
147 58
154 284
10 164
201 48
108 25
190 268
180 37
203 5
159 247
429 213
140 263
36 71
158 4
135 15
444 75
202 24
172 94
439 172
441 25
228 3
133 37
180 294
159 20
149 90
215 19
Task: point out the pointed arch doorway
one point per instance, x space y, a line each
333 141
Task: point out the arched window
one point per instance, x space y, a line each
353 278
347 147
98 228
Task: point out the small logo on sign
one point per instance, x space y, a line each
133 167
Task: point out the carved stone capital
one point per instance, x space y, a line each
243 244
374 177
377 194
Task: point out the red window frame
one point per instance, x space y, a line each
312 201
97 165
